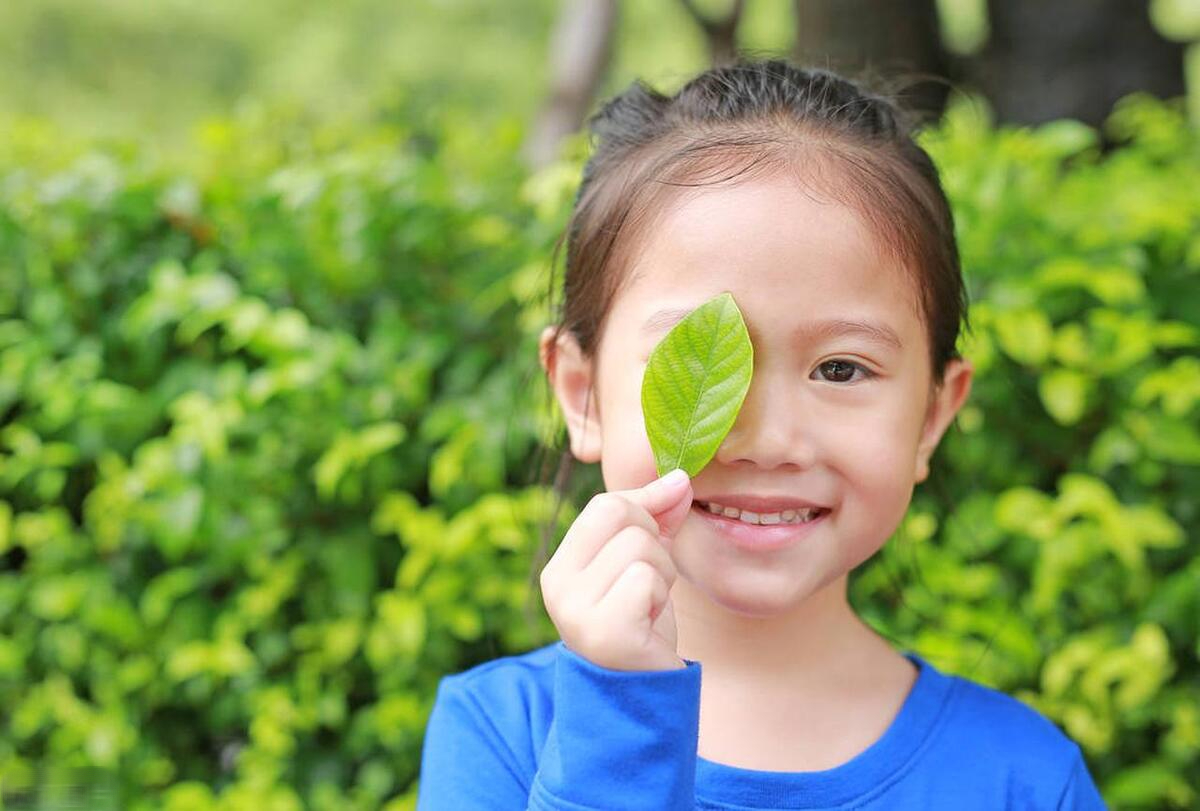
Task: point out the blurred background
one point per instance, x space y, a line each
151 71
276 454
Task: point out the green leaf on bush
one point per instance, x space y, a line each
1025 335
1065 393
694 385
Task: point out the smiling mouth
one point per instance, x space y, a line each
802 515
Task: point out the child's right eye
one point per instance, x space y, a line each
842 368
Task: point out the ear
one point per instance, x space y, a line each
947 400
571 376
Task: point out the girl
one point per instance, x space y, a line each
709 657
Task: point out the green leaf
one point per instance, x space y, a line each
1165 438
695 382
1065 394
1025 335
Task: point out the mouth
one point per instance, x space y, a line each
797 515
757 536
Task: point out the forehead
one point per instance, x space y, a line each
777 245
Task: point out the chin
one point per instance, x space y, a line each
757 594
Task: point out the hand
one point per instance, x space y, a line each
607 587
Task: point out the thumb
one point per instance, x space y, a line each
667 499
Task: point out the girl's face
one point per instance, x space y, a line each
837 414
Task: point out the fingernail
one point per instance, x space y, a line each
674 478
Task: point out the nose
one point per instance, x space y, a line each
770 430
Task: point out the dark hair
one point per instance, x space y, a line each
747 119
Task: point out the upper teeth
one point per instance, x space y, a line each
799 516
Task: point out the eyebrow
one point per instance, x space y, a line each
809 332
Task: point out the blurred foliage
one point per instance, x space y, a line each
1054 553
261 465
272 418
148 71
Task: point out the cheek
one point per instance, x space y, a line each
882 453
878 467
876 454
627 460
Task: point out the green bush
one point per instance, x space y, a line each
1055 553
271 435
261 468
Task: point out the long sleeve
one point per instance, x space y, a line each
466 763
622 740
1081 793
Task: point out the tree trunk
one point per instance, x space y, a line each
580 51
885 43
720 33
1072 59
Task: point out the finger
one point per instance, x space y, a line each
638 593
672 519
666 499
601 519
628 545
664 618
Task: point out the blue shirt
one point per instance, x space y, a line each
550 729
